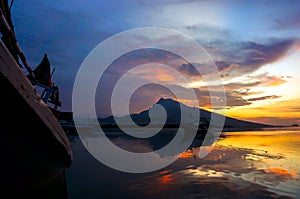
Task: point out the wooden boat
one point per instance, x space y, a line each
35 150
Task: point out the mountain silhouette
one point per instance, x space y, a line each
176 113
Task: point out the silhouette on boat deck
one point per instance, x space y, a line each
43 78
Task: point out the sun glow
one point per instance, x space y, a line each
285 102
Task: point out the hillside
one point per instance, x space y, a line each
172 108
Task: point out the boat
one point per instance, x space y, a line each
35 150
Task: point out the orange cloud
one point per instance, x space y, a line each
160 75
274 81
188 102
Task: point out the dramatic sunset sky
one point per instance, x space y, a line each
255 45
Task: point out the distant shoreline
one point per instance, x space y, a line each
273 128
169 129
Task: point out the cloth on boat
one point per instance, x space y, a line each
42 72
43 76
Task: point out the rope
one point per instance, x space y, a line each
11 4
14 40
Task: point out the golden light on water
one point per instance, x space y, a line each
278 151
166 179
245 161
282 172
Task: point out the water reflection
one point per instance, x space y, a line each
241 165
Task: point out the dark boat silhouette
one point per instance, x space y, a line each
35 150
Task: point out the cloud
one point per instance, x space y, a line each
205 33
240 58
224 66
238 93
188 69
271 80
235 58
263 98
281 112
257 55
234 101
242 91
68 33
148 94
249 81
245 91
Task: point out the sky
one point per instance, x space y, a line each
254 44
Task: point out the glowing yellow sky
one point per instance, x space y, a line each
287 106
281 109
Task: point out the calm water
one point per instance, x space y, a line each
256 164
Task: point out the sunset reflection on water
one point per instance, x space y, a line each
255 164
266 158
274 151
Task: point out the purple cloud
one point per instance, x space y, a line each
257 55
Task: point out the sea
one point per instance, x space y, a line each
249 164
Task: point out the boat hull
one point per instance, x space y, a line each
34 148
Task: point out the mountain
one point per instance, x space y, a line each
174 114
